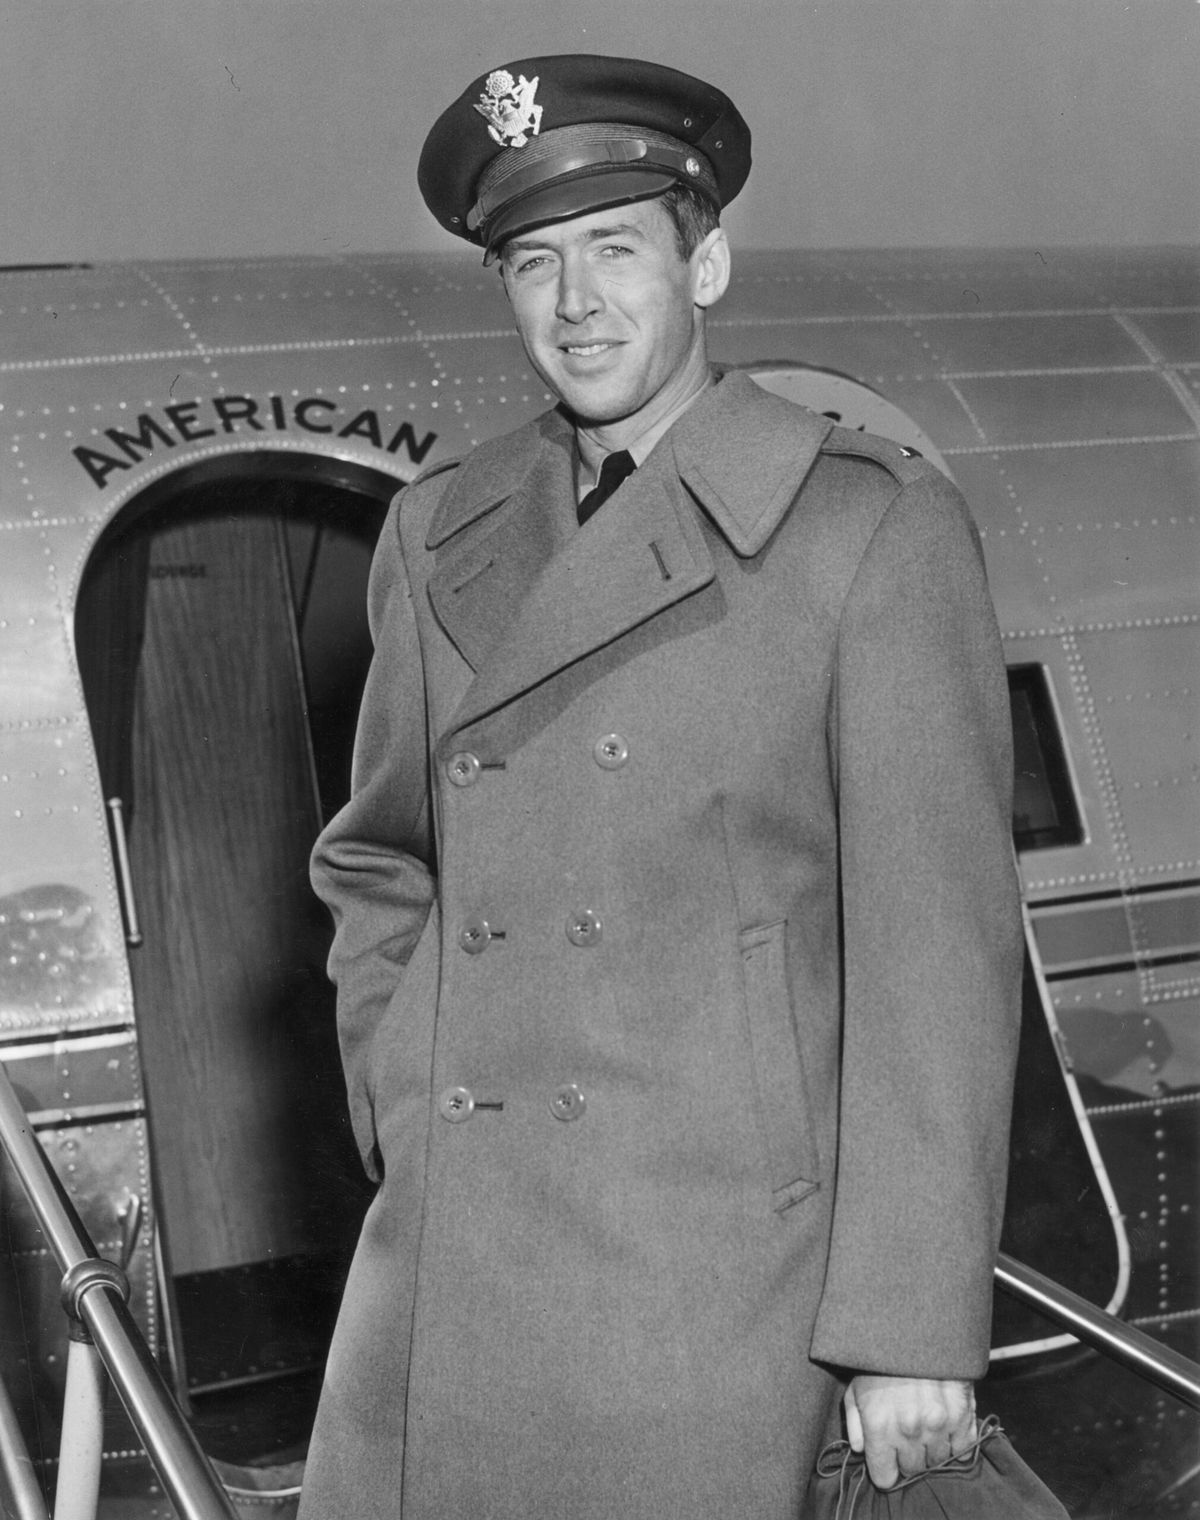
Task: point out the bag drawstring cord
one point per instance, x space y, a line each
840 1461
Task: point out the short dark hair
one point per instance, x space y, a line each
693 217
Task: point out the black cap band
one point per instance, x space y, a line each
585 150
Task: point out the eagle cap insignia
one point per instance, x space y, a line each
507 107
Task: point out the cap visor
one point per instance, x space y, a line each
559 202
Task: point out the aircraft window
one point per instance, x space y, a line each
1045 813
222 641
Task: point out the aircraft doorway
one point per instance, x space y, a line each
222 640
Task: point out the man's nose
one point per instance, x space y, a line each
579 295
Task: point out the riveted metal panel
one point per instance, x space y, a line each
1175 335
1018 575
775 286
474 381
1060 342
64 965
1154 1189
217 306
55 316
875 351
1135 278
1117 531
1127 699
36 679
1072 408
936 406
88 1076
101 1166
1145 710
973 282
443 299
1075 937
1124 1033
61 935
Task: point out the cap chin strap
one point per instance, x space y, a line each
683 163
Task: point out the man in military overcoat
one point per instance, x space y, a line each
677 938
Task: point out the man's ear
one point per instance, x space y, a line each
710 268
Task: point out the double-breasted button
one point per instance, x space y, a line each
611 752
463 768
456 1104
475 936
568 1102
584 929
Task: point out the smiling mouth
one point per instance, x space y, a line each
586 350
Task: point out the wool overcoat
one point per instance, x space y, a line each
678 949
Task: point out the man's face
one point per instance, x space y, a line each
610 315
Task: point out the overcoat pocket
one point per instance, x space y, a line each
387 1071
783 1100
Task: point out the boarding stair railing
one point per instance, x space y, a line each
1133 1348
105 1337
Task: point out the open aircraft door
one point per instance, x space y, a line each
221 678
221 643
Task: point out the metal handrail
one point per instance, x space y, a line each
95 1292
1133 1348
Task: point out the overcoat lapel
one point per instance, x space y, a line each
635 558
522 594
496 530
744 454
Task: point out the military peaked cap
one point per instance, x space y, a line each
544 139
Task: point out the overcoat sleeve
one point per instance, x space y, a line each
372 865
921 740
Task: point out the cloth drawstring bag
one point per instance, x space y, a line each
987 1482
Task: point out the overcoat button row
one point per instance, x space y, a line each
568 1103
456 1104
463 768
584 929
611 752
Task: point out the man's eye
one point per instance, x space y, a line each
616 251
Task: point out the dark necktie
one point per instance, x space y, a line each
616 468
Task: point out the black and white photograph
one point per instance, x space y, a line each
599 767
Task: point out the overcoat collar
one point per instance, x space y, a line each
496 470
743 453
523 595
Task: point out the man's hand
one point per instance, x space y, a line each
908 1424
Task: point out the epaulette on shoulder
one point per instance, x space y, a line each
436 469
904 463
397 500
